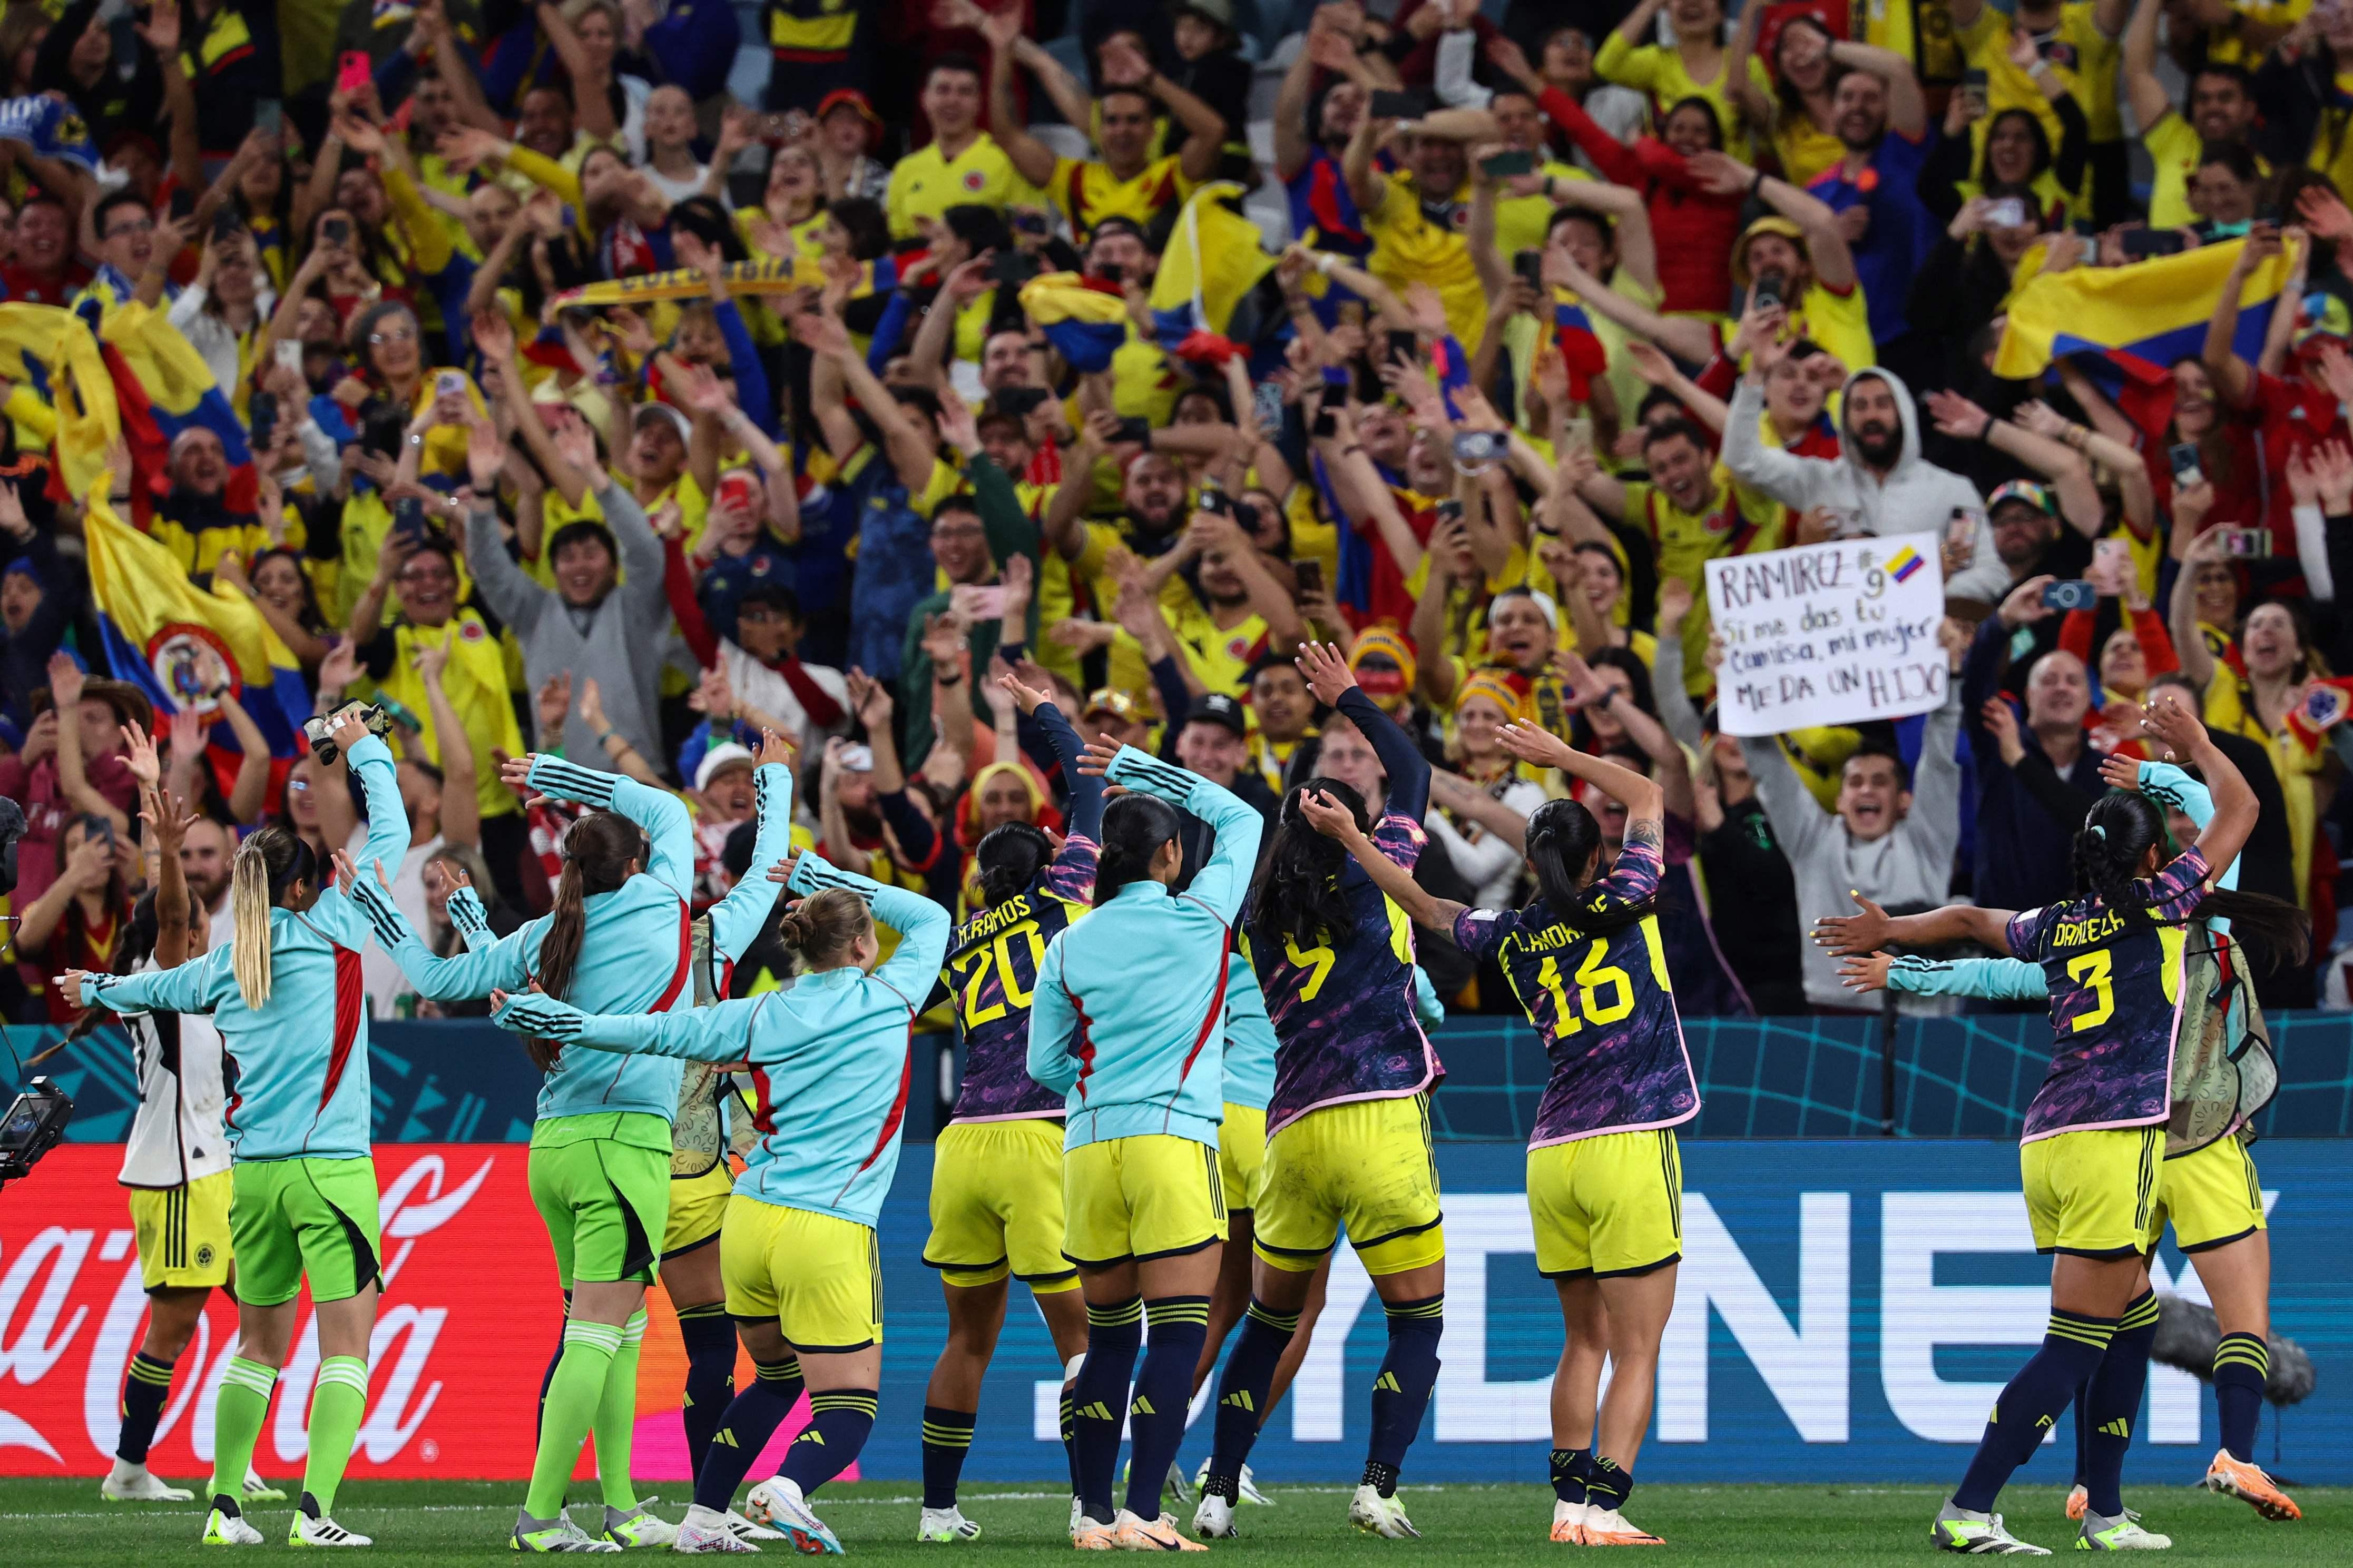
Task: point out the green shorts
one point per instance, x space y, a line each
289 1218
602 1185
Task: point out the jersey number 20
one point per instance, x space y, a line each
972 973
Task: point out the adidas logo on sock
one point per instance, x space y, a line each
1141 1407
1239 1399
2117 1429
1387 1383
726 1434
1098 1411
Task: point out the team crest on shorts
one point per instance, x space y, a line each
205 1255
193 665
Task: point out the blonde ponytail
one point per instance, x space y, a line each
248 902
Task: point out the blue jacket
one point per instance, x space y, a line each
1130 1008
301 1086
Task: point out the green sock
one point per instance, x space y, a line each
616 1419
239 1412
572 1395
338 1402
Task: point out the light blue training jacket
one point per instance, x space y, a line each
636 949
829 1057
302 1084
1128 1017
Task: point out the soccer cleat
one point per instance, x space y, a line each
1179 1487
558 1534
2122 1533
1213 1518
323 1532
707 1530
1087 1534
1977 1534
1568 1523
638 1527
1608 1527
258 1490
2237 1478
1131 1533
1382 1516
744 1529
945 1525
226 1527
2077 1501
777 1503
1246 1485
136 1483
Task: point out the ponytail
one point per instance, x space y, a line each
1134 827
1297 898
266 865
1562 841
2120 830
599 851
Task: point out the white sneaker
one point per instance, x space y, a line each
2121 1533
1608 1527
1213 1518
744 1529
778 1503
945 1525
558 1534
136 1483
323 1532
1568 1523
1078 1512
1247 1486
1977 1534
1382 1516
230 1529
707 1530
1179 1488
638 1527
258 1490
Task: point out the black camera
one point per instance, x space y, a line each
320 732
31 1127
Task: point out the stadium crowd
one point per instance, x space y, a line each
1538 309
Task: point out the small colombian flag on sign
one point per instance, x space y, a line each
1903 563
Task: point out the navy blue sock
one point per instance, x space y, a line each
710 1338
1402 1391
2111 1404
145 1389
840 1420
1241 1393
2243 1364
948 1438
745 1429
1180 1327
1607 1486
1099 1399
1571 1469
2037 1396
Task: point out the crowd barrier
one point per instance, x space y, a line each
1847 1309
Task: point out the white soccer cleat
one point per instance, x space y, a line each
1213 1518
638 1527
744 1529
946 1526
1382 1516
258 1490
778 1503
225 1528
707 1530
1608 1527
2122 1533
1247 1486
1568 1523
1179 1487
558 1534
136 1483
1977 1534
323 1532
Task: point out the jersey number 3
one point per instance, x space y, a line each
2091 971
972 973
1593 978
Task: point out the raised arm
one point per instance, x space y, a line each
669 830
2225 833
922 926
1222 882
1334 685
2150 102
1031 158
1335 821
2234 378
737 918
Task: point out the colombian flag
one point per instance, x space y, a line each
1580 349
1213 259
1084 318
161 633
49 353
163 386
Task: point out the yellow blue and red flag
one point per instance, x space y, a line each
1213 259
1084 318
48 352
163 386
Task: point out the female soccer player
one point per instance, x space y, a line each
2091 1158
617 940
2213 1198
285 995
996 1173
1126 1025
1349 1125
1605 1179
829 1059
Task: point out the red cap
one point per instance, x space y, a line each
850 98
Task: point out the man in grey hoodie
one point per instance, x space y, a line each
1893 836
587 625
1880 483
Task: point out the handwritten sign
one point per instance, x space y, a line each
1828 633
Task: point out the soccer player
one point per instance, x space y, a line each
600 1148
1605 1179
829 1061
1349 1139
2209 1194
2091 1158
284 994
996 1173
1126 1025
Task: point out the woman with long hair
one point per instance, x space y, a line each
2112 960
602 1143
1348 1126
997 1175
2211 1195
1125 1023
284 994
1605 1179
79 920
829 1062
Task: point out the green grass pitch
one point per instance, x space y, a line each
431 1523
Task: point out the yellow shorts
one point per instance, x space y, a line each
1608 1206
1241 1155
996 1204
819 1277
184 1233
1152 1195
2212 1196
2094 1194
698 1206
1365 1165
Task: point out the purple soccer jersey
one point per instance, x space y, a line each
2115 990
1601 1002
992 968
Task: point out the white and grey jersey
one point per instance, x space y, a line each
176 1135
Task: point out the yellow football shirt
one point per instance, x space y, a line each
925 184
